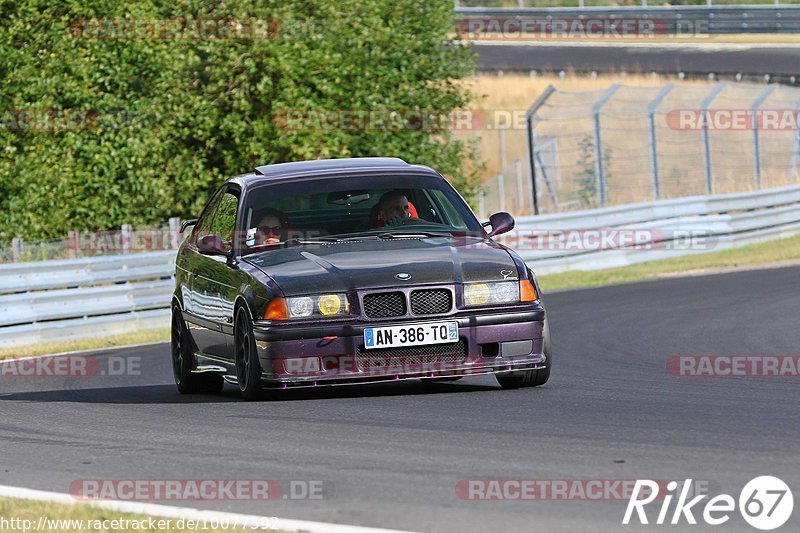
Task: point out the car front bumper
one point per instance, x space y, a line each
333 354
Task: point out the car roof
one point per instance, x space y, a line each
328 167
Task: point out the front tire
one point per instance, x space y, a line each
531 378
248 367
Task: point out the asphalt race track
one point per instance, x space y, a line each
392 454
778 61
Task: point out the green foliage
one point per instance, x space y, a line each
146 128
587 173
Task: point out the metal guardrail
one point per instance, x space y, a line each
671 228
68 299
708 19
89 271
77 298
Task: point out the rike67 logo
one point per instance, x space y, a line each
766 503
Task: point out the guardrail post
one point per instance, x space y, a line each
706 138
529 116
16 249
599 167
174 228
651 122
756 138
125 237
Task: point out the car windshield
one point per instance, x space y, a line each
334 209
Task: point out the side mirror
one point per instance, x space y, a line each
187 223
501 222
211 245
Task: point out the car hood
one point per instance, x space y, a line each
372 264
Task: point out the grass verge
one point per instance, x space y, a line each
779 252
28 515
95 343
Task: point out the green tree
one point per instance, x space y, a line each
163 121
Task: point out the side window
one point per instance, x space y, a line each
448 211
203 226
224 222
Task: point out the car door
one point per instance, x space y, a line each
214 281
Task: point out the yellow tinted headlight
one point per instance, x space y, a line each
329 304
476 294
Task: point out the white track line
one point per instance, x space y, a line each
186 513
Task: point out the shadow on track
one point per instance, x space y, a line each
166 394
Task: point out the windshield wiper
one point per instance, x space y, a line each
413 234
319 240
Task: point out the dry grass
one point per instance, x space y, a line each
64 518
625 137
774 253
94 343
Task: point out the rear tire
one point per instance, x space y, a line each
183 361
248 367
531 378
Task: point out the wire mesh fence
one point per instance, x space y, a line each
125 240
625 144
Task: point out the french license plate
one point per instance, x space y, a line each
411 335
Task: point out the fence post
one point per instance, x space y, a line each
481 205
501 192
756 137
74 243
501 132
651 122
16 249
532 141
706 139
598 144
125 237
174 228
520 203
